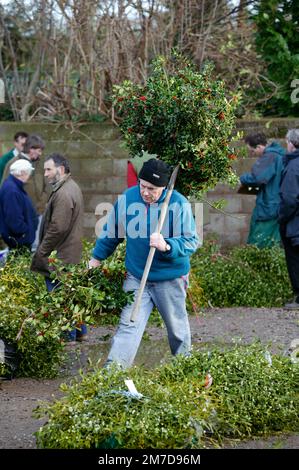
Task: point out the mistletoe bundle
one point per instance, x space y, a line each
183 116
33 322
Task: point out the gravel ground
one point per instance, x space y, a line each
274 327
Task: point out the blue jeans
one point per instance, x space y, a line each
170 299
76 333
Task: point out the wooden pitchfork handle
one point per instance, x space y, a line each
152 248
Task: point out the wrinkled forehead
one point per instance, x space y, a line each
146 185
49 164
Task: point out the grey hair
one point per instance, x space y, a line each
21 166
293 137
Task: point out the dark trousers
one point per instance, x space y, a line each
292 260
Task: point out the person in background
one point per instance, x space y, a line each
18 218
134 217
266 175
37 187
289 213
37 190
19 142
61 226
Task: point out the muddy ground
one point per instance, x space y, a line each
274 327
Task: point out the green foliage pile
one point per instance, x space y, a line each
87 295
34 322
21 320
245 276
182 116
248 397
4 370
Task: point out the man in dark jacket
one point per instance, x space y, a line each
18 218
289 212
266 175
62 224
19 142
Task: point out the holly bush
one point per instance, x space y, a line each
86 295
183 116
33 321
277 43
21 320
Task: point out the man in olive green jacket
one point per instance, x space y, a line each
61 227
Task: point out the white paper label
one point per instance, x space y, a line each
132 389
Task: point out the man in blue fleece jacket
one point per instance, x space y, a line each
135 218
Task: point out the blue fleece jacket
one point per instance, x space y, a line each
266 174
18 218
135 220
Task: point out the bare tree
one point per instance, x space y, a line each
76 50
22 92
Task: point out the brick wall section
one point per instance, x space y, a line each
99 165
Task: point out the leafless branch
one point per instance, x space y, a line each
76 50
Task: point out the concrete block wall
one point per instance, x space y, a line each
98 161
99 164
